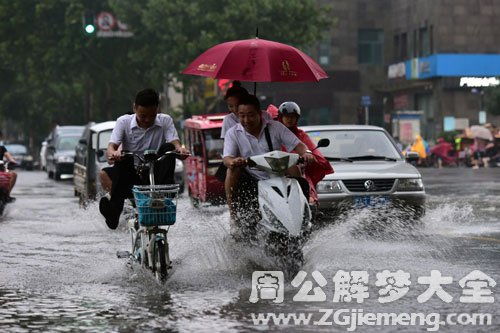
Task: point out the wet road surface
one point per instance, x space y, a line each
59 270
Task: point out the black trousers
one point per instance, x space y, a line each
124 176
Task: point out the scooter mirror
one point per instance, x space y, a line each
323 143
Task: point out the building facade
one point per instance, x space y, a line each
391 59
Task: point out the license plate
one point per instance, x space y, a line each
365 201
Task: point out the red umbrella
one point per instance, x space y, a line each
256 60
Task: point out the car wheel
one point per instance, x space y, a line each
57 176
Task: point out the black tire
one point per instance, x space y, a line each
57 175
160 265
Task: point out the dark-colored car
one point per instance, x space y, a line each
61 150
21 155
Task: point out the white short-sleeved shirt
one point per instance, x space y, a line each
239 143
137 140
231 119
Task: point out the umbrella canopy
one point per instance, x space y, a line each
481 132
256 60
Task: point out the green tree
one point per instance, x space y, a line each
174 32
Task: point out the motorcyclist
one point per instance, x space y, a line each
145 129
314 172
254 135
4 154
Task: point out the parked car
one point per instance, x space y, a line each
90 159
21 155
370 171
202 136
60 153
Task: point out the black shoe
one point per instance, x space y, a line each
10 199
112 218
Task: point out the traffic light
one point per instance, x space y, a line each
89 22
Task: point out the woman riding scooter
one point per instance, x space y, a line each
289 114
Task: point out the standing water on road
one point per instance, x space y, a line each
59 270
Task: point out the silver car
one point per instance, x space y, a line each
370 171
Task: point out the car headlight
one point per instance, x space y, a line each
28 158
65 159
410 184
329 186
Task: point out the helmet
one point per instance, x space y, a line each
289 108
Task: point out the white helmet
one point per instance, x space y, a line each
289 108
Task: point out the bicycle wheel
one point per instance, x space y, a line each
160 267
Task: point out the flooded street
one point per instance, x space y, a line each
59 270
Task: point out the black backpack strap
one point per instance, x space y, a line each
268 138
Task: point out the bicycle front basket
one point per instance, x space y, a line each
156 205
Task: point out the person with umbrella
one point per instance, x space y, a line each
255 135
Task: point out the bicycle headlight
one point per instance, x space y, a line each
329 186
179 166
410 184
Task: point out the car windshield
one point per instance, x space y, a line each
67 142
356 143
214 144
16 149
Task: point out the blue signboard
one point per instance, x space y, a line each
366 101
482 65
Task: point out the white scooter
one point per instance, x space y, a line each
285 215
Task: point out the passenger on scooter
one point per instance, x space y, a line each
232 97
289 114
4 154
255 135
146 129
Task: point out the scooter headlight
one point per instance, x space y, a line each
410 184
329 186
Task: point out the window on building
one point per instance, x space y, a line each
396 48
324 52
370 46
424 48
404 46
431 39
414 48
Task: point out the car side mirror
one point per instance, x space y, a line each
100 153
83 141
412 156
323 143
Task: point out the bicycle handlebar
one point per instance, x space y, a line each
172 152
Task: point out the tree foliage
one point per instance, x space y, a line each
52 72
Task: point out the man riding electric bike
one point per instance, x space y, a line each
145 129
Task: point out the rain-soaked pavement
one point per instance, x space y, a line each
59 270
